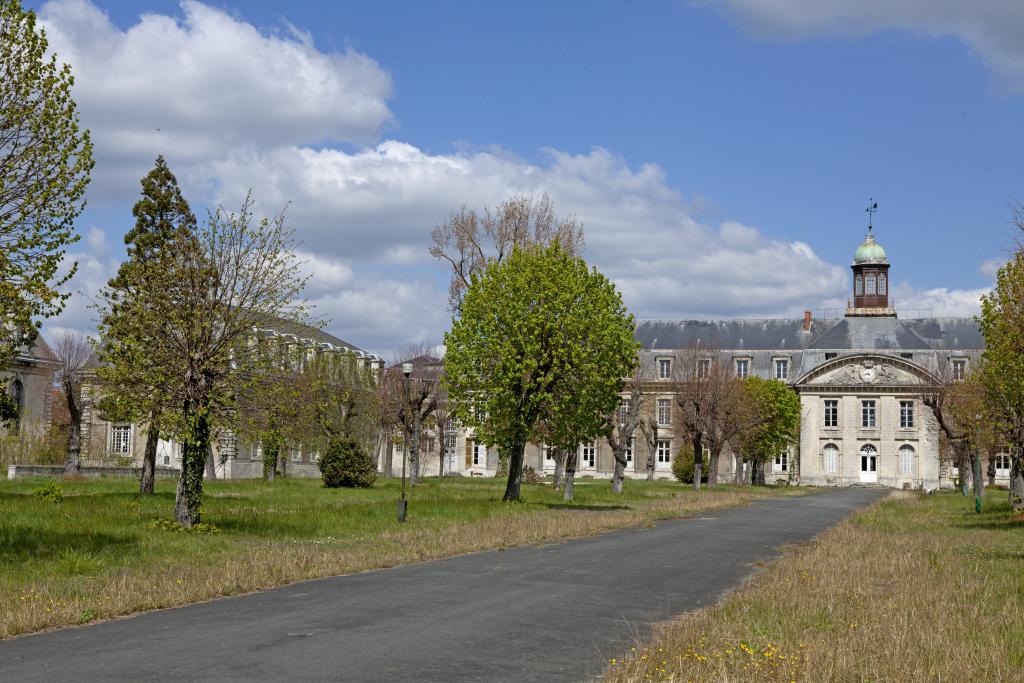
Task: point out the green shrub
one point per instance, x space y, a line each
345 464
49 492
682 465
171 525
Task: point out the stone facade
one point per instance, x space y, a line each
28 380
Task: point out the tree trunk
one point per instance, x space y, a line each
1016 483
559 468
515 474
737 475
389 456
979 481
570 475
618 474
211 464
195 449
146 486
963 467
282 459
651 453
716 453
74 453
698 460
991 471
414 450
503 464
271 447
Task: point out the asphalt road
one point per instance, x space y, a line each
547 613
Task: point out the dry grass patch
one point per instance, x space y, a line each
104 551
915 588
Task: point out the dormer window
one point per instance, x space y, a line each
664 368
959 369
703 368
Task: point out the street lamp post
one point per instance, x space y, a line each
403 504
977 464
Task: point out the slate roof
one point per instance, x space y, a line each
879 334
852 333
766 334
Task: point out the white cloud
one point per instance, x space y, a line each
993 29
195 86
382 202
239 108
990 267
940 301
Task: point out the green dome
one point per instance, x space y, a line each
870 252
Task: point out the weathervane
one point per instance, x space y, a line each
872 208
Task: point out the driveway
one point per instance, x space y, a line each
550 613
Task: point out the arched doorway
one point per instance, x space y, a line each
868 464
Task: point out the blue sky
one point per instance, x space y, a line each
719 154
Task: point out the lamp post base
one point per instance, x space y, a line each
402 505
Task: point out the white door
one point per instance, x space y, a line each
868 464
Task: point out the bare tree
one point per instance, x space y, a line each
709 397
649 429
622 426
948 396
470 241
416 398
73 353
442 426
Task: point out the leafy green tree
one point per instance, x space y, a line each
209 292
540 341
132 391
1002 368
45 160
773 422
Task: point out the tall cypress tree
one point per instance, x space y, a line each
133 391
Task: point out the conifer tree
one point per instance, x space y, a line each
132 391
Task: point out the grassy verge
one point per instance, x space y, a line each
915 588
104 550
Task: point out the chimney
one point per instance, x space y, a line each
807 321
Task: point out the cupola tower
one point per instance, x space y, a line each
870 278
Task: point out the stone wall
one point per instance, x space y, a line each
24 471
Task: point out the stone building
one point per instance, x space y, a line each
28 381
859 378
235 457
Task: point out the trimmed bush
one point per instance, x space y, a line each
345 464
682 465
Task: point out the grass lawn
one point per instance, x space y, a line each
915 588
104 550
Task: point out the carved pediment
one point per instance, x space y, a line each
867 373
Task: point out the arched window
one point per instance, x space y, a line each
906 460
830 458
881 283
858 285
